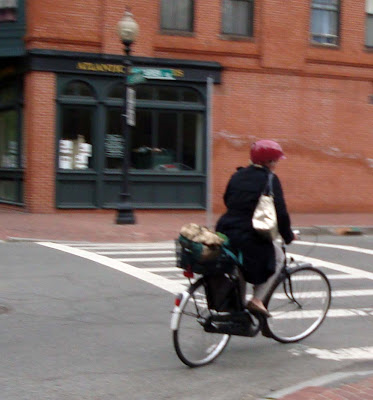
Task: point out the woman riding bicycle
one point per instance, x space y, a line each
262 259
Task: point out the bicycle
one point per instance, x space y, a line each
298 302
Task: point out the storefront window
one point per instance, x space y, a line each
168 135
9 147
78 88
8 95
191 141
116 92
113 139
10 144
167 140
75 146
8 10
144 92
168 94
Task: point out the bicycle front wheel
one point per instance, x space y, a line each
298 304
194 346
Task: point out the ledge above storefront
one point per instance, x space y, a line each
111 65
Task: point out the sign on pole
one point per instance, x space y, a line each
136 78
154 73
131 107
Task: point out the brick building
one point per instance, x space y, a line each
217 75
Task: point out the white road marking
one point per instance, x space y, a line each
350 353
139 252
330 277
163 269
125 246
146 259
347 353
337 267
335 293
154 279
335 246
332 313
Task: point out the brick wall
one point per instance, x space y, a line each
312 99
39 142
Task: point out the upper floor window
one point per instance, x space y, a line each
177 15
325 21
369 23
238 17
8 10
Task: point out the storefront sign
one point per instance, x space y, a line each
98 67
114 146
156 73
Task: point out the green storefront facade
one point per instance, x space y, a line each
167 145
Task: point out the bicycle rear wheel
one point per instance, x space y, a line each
194 346
298 305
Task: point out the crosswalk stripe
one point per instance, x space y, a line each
124 246
148 259
163 269
295 278
139 252
335 246
332 313
337 267
330 277
335 293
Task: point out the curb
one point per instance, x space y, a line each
335 378
338 230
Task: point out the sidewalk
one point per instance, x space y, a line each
151 226
339 386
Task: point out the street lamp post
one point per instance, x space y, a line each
127 31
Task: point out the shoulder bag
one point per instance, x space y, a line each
265 218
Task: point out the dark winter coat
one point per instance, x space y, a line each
241 197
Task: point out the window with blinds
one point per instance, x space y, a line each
177 15
238 17
325 21
369 23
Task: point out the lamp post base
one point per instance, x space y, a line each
125 215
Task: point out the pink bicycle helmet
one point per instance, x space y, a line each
263 151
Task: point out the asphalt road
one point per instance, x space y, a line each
95 325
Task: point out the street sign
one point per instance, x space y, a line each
154 73
136 78
131 107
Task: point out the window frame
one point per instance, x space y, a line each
315 5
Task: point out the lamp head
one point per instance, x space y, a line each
128 28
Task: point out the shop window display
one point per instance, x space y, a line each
75 147
10 147
8 139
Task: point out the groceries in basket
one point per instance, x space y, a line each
197 246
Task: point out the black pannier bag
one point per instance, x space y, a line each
220 293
